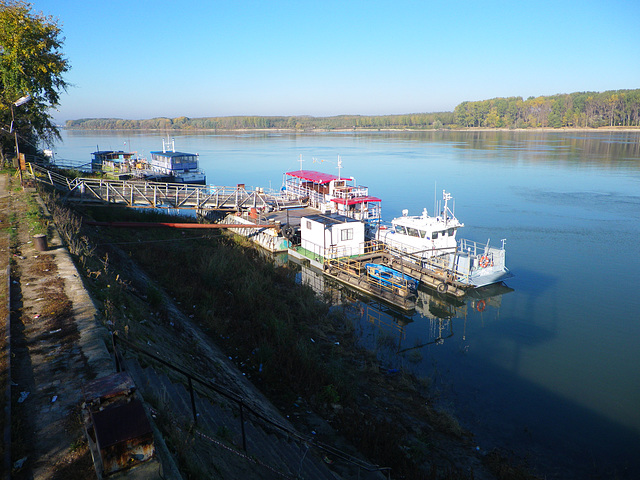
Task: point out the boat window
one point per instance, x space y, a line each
423 234
435 235
308 224
451 232
400 229
412 232
346 234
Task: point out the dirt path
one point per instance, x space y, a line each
53 336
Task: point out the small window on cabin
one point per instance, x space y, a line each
450 232
308 224
400 229
346 234
423 234
412 232
435 235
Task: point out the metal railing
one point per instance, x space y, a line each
242 405
136 193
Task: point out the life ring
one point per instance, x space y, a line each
484 262
481 305
442 287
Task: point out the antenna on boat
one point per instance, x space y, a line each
339 165
435 201
301 160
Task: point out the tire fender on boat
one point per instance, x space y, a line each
442 287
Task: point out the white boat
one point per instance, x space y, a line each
178 167
431 242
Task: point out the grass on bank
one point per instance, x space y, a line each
278 332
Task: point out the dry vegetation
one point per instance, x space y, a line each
256 312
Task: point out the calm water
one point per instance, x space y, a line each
550 370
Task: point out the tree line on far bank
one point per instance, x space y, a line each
580 109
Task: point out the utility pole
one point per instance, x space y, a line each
17 103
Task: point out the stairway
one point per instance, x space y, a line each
213 449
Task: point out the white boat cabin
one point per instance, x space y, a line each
332 235
171 162
183 167
429 235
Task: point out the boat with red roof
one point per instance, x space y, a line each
329 193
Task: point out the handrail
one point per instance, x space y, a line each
242 405
137 193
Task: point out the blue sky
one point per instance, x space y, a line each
142 59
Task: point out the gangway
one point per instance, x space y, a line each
143 194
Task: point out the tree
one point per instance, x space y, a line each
31 63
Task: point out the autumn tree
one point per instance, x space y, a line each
31 63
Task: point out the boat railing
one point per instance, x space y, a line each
142 193
346 193
416 254
439 260
475 248
399 287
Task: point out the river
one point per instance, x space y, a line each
548 368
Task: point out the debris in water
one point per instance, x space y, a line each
23 396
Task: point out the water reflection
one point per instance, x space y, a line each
394 334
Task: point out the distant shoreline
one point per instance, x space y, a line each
366 129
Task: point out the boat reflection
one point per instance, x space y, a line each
399 331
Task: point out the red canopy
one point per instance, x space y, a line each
315 177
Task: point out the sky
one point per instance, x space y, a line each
138 59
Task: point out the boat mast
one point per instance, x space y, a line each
165 147
446 197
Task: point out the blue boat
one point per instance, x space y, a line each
395 281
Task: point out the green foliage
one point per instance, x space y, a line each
35 218
418 120
31 63
329 394
581 109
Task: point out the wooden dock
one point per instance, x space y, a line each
352 272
